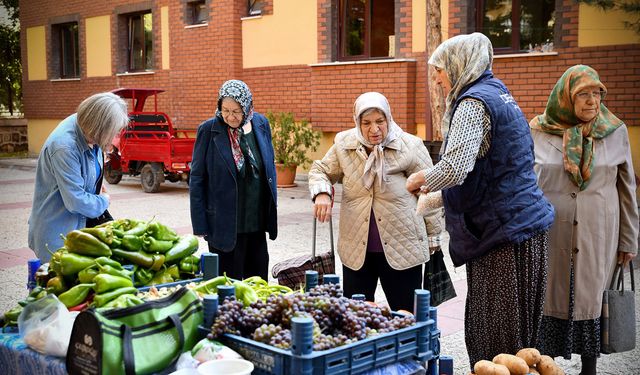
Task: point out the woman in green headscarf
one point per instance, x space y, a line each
583 163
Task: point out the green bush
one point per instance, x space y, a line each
292 139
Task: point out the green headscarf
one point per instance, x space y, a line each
559 118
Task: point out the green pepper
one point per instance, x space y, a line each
83 243
137 230
152 245
131 242
161 232
211 286
101 299
141 258
190 264
11 316
104 234
187 245
114 271
116 243
105 282
55 262
88 274
125 300
142 276
57 285
161 277
104 261
71 264
245 293
75 295
117 233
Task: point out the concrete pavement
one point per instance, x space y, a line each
171 206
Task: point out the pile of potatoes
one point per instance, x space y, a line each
526 361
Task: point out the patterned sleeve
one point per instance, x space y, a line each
469 138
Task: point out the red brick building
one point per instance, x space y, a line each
309 57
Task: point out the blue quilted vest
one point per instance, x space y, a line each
499 201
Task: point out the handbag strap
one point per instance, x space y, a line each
127 343
618 274
313 249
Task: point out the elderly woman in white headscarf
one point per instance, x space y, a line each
497 217
380 237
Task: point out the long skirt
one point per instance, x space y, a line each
560 337
505 298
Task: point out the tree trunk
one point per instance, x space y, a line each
434 38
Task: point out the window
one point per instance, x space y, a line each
365 28
518 25
140 42
66 57
197 12
255 7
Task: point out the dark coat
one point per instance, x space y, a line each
212 184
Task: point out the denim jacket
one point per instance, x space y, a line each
64 195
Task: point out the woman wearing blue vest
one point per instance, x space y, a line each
232 188
69 172
583 160
496 216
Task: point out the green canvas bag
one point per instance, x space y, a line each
142 339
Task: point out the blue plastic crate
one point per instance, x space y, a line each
354 358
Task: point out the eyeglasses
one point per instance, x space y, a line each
584 95
235 113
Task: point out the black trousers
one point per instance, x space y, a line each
250 257
398 286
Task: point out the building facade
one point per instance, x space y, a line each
309 57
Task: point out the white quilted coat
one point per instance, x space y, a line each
402 232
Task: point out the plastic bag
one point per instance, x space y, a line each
45 326
207 350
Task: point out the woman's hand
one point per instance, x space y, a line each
415 181
322 207
625 258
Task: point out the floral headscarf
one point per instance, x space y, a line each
559 118
464 58
375 165
238 91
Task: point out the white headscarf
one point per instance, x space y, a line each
464 58
375 165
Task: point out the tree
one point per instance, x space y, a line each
627 6
436 96
10 65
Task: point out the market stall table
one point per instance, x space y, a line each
17 358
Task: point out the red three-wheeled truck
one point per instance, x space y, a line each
149 146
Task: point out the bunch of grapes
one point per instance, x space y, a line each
337 320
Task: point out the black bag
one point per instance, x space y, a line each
106 216
618 320
437 279
291 272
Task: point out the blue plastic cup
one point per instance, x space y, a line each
210 308
331 278
33 265
311 280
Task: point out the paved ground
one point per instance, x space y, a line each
171 206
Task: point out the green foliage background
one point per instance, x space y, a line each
10 65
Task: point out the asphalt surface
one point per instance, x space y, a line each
171 207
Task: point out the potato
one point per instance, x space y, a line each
485 367
533 371
516 365
547 366
530 355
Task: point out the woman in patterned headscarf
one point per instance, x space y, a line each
496 216
381 237
233 184
583 162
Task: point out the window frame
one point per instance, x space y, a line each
59 48
130 42
342 33
516 34
192 13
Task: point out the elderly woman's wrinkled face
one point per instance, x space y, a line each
231 112
374 126
586 103
442 80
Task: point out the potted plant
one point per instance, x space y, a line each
291 141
